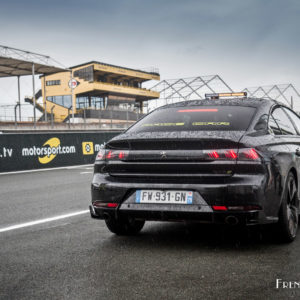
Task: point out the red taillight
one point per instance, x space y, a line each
250 154
231 154
100 155
112 155
109 155
199 110
112 205
244 154
103 204
213 154
218 207
221 154
121 154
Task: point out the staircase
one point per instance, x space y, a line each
37 105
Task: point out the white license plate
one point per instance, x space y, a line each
164 197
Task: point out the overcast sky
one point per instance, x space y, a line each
246 42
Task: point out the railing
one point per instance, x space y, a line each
10 119
148 69
125 86
11 113
152 70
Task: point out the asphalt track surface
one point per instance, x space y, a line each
76 257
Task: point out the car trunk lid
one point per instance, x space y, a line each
175 154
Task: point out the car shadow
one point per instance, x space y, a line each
181 235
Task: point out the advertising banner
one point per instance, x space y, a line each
45 150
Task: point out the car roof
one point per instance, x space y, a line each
252 102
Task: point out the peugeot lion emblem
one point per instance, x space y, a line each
163 154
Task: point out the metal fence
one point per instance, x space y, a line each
284 93
12 113
21 117
184 89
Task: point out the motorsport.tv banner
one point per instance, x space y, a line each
46 150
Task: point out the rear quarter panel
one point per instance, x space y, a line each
278 154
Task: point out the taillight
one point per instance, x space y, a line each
107 155
213 154
110 155
99 204
122 154
245 207
236 208
248 154
101 155
231 154
219 207
112 205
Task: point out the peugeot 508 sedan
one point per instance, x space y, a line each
233 161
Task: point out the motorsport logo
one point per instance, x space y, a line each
48 151
87 148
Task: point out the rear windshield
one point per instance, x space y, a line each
196 118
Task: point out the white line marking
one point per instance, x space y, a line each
13 227
87 172
42 170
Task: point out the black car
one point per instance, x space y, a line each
226 161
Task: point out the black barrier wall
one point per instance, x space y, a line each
46 150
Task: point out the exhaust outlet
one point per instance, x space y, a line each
231 220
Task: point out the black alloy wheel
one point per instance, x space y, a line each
289 210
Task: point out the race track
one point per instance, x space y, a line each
50 248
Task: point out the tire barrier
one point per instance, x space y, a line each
28 151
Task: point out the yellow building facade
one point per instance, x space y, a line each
100 91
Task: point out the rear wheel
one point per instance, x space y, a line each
124 226
288 214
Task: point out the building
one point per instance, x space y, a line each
102 92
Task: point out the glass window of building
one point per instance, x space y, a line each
64 100
52 82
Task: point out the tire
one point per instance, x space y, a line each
124 226
289 210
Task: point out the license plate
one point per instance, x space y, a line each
164 197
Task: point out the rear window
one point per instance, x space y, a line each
196 118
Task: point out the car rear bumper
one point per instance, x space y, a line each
244 191
230 218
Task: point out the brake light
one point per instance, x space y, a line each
243 154
213 154
112 205
104 204
108 155
231 154
122 154
199 110
100 154
250 154
219 207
